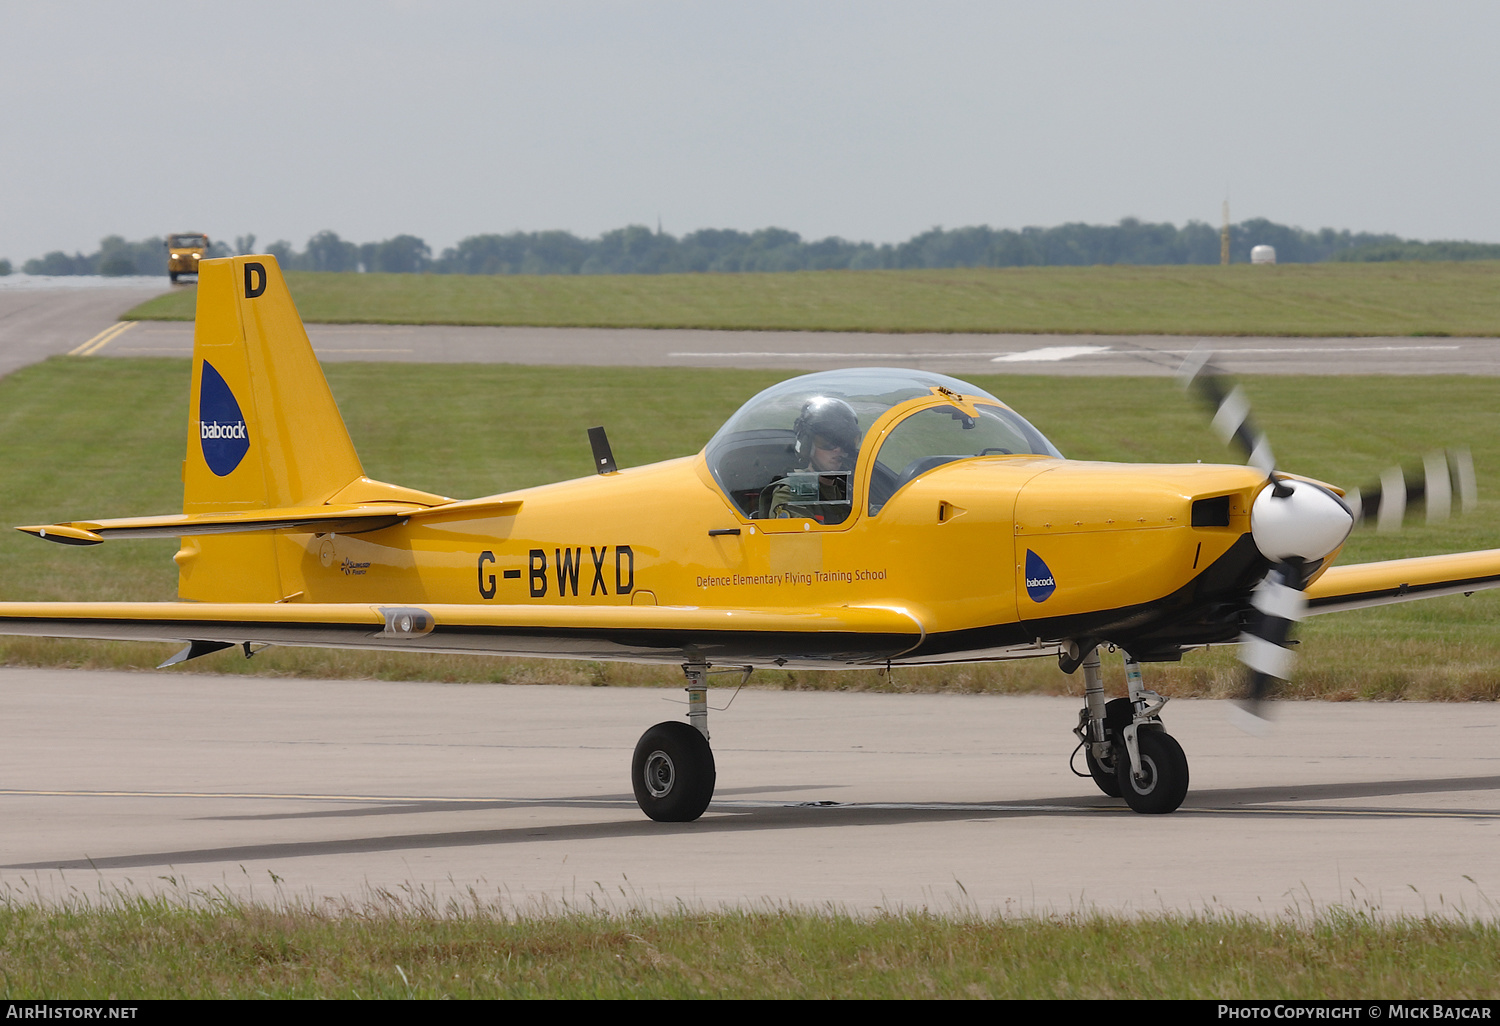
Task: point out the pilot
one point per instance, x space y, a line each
827 433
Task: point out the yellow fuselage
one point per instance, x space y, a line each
950 549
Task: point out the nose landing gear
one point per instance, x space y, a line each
1162 782
1128 752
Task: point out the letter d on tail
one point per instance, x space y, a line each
255 280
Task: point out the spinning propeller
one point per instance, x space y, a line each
1297 524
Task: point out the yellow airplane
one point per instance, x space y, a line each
856 518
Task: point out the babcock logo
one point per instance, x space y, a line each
221 425
1039 582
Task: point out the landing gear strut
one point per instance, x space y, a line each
672 771
1128 752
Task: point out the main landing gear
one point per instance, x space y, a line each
1128 752
673 768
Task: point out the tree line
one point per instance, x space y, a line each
639 250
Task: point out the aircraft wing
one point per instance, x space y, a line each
809 636
1403 580
344 519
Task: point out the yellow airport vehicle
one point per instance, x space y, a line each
869 517
184 251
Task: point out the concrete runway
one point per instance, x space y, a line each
37 323
346 790
1149 355
267 788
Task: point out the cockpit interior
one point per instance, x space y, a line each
816 446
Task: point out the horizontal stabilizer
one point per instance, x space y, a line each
342 519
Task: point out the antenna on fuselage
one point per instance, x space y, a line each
604 457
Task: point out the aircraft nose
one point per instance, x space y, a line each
1298 520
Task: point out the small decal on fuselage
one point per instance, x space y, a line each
1039 581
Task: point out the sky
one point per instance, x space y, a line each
868 120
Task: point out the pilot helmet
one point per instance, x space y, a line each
832 421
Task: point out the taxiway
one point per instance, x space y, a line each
312 790
1143 355
37 323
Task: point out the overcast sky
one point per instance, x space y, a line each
868 120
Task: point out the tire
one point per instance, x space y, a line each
673 773
173 276
1104 776
1166 773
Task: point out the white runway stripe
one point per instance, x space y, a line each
1049 354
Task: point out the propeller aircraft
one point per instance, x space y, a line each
859 518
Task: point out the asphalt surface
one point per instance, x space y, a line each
363 791
1148 355
272 789
38 323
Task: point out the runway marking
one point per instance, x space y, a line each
1270 810
1047 353
749 804
188 348
1050 354
102 339
320 351
830 355
372 798
1305 351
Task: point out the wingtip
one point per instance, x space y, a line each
63 534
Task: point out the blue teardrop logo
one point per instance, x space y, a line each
1039 582
221 425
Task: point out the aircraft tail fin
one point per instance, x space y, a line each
264 431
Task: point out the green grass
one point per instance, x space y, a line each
1292 299
144 948
97 438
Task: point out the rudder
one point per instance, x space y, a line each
263 428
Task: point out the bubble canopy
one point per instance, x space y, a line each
758 445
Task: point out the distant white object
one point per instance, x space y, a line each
1263 255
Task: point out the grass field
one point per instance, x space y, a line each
97 438
1290 299
139 948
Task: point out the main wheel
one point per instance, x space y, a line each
1164 781
1104 775
673 772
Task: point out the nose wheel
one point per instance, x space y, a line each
1105 775
1163 780
1128 753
